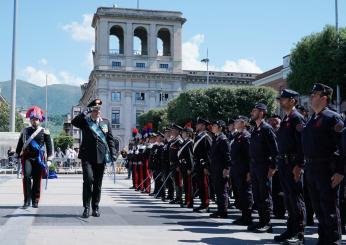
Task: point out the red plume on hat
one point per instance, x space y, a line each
35 112
134 132
188 125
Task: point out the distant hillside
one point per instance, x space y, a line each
61 97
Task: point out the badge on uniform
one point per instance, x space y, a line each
104 128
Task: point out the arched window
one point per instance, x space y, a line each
140 41
116 40
164 42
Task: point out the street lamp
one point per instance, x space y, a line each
13 73
206 60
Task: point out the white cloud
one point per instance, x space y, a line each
43 61
81 31
192 59
38 77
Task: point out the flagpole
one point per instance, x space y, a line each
13 74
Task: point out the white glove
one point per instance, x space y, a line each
49 163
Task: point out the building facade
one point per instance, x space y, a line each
138 66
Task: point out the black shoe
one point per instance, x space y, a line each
282 237
219 215
295 240
242 222
26 205
35 205
175 201
132 187
96 213
253 227
264 229
200 208
86 213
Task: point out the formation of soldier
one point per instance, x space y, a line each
294 164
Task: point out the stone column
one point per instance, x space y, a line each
127 114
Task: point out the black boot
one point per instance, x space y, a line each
26 204
35 204
96 212
86 213
282 237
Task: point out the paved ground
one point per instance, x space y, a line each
128 217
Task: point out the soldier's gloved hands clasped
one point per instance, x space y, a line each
49 163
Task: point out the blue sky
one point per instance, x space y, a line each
54 37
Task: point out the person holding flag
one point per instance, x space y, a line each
33 144
97 148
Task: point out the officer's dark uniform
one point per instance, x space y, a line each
174 148
220 156
185 165
343 185
94 153
240 168
30 163
201 147
291 155
321 145
166 172
155 159
263 153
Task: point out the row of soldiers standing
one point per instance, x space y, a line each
210 161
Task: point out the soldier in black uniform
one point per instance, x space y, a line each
263 153
186 165
220 156
156 163
168 182
240 170
30 148
97 148
175 146
290 167
201 147
324 165
279 208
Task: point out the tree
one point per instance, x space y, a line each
63 141
218 103
5 121
158 117
319 57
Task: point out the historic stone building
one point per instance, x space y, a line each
138 65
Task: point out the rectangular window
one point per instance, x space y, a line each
116 64
116 96
116 117
140 65
163 66
140 96
164 97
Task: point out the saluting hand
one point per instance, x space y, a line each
336 179
297 171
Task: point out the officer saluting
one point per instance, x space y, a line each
321 140
30 148
97 148
291 163
263 153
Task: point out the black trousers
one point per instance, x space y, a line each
325 201
32 189
92 184
221 190
242 189
262 191
294 198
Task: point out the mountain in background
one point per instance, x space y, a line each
61 97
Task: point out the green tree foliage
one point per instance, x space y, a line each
5 118
319 57
218 103
158 117
63 141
